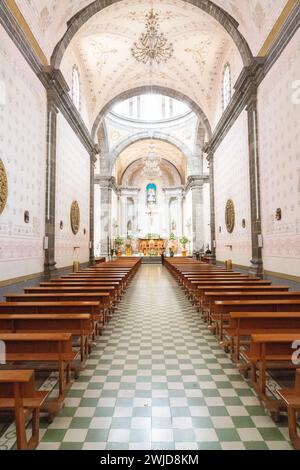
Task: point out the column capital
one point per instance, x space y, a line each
196 181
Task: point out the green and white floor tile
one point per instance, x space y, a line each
158 380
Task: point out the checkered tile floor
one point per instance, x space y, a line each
159 380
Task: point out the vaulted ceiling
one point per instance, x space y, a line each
104 42
102 45
48 18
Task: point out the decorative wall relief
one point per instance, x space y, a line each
230 216
75 217
3 187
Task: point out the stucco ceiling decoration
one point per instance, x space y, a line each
48 18
140 150
104 44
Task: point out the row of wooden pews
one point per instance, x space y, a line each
256 322
53 327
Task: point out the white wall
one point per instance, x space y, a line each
23 115
279 131
72 183
231 167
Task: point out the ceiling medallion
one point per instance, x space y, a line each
3 187
75 217
152 46
151 168
230 216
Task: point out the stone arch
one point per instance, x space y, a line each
209 7
155 90
173 169
146 136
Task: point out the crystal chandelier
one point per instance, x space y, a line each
151 168
152 46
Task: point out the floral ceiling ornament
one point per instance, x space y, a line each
152 46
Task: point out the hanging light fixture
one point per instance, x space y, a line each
152 46
152 163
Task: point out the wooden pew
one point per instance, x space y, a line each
80 325
75 307
51 351
267 350
198 287
209 298
222 309
100 302
292 400
241 288
18 393
244 324
77 289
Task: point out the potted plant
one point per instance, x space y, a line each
118 243
183 241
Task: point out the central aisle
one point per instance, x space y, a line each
159 380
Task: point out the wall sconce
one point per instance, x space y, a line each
229 246
278 214
26 217
220 229
244 223
61 225
84 231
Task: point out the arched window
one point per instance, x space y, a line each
226 89
76 88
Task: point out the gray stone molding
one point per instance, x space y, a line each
210 158
196 181
9 23
55 80
256 229
52 111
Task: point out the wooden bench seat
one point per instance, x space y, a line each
209 298
292 401
18 393
244 324
267 350
100 302
222 309
50 351
64 307
79 325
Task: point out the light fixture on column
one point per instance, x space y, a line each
152 46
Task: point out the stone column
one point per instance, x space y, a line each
92 206
167 214
123 202
195 184
210 159
49 244
256 261
136 216
179 216
105 205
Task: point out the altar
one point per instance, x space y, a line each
153 247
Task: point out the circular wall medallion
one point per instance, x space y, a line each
230 216
75 217
3 187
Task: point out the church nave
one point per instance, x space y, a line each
158 380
